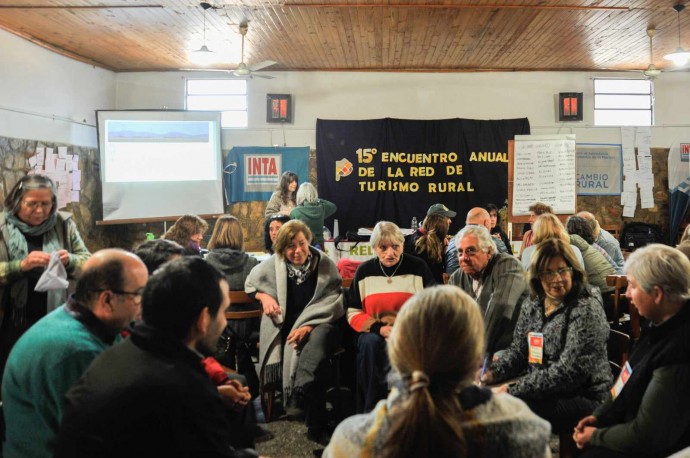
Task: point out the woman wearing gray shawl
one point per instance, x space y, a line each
300 292
31 229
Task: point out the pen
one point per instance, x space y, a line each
481 374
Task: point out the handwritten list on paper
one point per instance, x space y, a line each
637 170
544 171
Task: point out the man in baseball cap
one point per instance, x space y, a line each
440 209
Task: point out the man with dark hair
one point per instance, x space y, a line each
53 353
232 387
157 252
149 395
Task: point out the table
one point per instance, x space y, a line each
358 251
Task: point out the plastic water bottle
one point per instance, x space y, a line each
326 234
414 223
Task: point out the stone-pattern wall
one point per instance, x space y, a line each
14 155
609 210
14 163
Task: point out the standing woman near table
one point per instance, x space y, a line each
285 197
31 229
313 211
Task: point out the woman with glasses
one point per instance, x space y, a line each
558 354
31 229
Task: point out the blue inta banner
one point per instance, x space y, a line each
394 169
253 172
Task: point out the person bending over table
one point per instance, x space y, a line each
380 287
559 345
434 409
300 291
647 413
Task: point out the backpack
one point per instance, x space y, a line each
636 235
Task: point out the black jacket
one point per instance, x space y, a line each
146 396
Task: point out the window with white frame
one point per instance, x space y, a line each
228 96
623 102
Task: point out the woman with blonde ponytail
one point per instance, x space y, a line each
429 243
434 407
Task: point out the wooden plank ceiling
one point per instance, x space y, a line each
355 35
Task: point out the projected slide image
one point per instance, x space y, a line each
160 151
157 131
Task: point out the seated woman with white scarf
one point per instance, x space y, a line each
300 292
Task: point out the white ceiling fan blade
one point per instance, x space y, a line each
259 75
263 64
205 70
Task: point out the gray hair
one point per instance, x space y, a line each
307 193
486 242
385 230
662 266
29 183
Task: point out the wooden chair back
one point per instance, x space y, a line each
242 298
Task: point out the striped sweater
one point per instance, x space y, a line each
373 301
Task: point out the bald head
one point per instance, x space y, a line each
586 215
478 216
108 269
592 220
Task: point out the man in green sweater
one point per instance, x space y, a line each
53 353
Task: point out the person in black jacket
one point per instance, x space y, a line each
647 413
149 395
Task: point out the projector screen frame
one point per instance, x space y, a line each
206 181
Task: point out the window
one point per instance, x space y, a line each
623 102
226 96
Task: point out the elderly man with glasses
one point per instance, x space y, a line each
495 280
53 353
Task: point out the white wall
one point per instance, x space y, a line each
41 92
34 80
414 96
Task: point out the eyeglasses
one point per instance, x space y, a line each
136 295
470 251
33 204
550 275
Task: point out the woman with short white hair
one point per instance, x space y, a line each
647 413
380 288
312 211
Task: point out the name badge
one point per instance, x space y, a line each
535 340
625 374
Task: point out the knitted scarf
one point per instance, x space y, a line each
19 249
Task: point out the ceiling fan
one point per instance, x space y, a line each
243 70
651 72
249 70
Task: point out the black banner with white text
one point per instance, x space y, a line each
394 169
